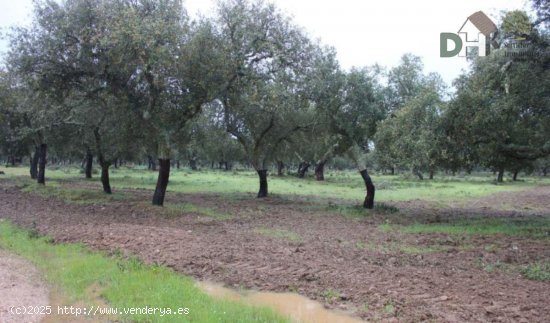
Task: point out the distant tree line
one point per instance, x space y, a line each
138 80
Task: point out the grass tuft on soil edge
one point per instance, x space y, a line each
125 283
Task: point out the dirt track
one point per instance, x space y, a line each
22 289
344 262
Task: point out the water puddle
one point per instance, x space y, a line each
297 307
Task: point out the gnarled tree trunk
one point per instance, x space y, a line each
356 154
152 164
303 168
369 199
34 162
162 182
500 175
262 174
418 174
89 163
193 164
42 154
103 163
104 173
280 167
320 170
105 177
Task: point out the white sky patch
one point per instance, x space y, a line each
363 32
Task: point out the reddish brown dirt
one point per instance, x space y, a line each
344 262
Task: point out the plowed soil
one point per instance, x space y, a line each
276 244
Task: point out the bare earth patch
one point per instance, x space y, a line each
21 285
346 263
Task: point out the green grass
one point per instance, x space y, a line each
278 233
389 307
385 227
338 184
360 245
125 282
358 211
73 195
182 208
330 295
395 247
415 250
537 271
528 227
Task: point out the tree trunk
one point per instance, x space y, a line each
34 162
431 174
193 164
41 178
89 163
104 164
320 170
392 170
515 176
419 174
162 182
280 167
302 169
262 173
105 177
544 171
116 163
178 164
369 199
500 176
152 164
227 166
104 173
13 161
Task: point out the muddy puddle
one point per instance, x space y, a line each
298 308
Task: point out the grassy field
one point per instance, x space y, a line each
125 283
345 185
121 281
522 227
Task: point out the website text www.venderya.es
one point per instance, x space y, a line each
97 310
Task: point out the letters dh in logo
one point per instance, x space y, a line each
474 33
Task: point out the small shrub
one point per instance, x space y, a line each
537 271
330 295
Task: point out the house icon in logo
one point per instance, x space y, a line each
475 32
